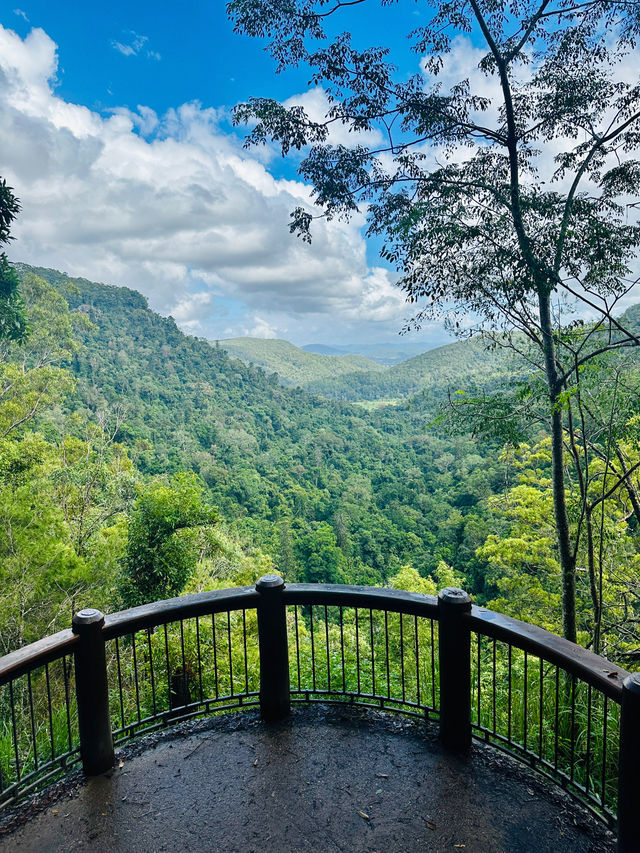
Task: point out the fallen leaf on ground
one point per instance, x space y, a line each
382 775
429 823
121 763
364 815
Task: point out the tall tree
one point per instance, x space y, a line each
525 206
13 324
161 554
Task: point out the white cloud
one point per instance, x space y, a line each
461 63
316 105
262 329
21 14
174 206
135 46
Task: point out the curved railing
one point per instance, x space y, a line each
66 699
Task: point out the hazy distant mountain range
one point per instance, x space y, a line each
293 365
382 353
356 378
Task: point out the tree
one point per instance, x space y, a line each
31 375
521 212
319 555
161 553
13 323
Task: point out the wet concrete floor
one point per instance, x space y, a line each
332 779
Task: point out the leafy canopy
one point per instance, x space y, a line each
161 555
13 324
486 201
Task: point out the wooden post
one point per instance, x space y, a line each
92 693
455 669
275 702
629 766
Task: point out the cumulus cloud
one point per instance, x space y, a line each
173 206
316 105
262 329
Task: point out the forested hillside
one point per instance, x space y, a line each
460 365
435 374
324 490
293 365
139 462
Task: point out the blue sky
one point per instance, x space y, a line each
183 52
117 140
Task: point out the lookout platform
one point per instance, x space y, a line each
331 778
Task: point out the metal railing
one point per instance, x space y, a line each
571 715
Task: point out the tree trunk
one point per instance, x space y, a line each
628 482
593 585
567 561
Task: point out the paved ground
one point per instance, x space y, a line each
332 780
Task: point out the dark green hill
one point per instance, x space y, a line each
332 491
293 365
460 365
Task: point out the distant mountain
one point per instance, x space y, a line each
387 354
463 365
458 366
293 365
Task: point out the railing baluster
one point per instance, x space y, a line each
502 707
415 628
14 730
33 722
230 654
357 651
119 669
295 610
50 712
313 647
326 637
373 661
215 653
344 672
540 707
153 683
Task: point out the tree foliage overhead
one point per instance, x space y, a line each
507 207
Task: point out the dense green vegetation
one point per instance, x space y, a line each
328 491
434 374
511 209
138 463
120 435
293 365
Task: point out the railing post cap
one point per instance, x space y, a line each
451 595
270 582
88 616
632 683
